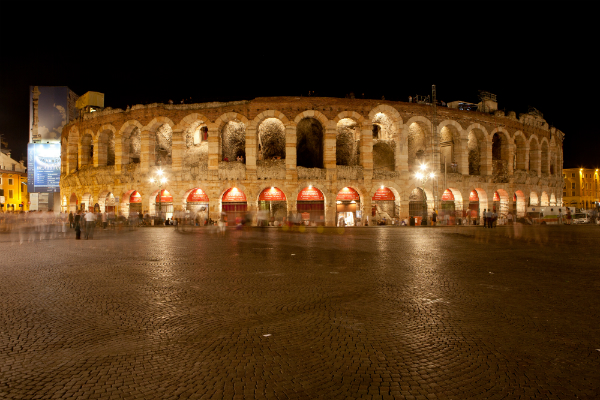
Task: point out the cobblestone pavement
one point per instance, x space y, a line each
379 313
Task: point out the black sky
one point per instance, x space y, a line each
541 54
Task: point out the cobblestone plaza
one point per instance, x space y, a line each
372 313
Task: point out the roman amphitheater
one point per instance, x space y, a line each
319 158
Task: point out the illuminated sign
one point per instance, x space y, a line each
165 197
473 196
348 194
197 196
43 167
448 195
310 194
272 194
135 197
496 196
384 194
234 195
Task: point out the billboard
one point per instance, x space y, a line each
43 167
55 108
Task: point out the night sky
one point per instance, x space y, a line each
527 56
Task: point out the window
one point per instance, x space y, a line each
573 193
573 185
10 194
10 181
13 167
564 194
572 175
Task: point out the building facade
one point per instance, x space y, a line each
13 182
581 188
321 158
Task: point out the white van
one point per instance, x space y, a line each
547 215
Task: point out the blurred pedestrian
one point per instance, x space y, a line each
90 224
77 221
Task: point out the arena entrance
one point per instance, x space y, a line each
234 206
163 205
348 211
383 205
135 203
448 208
73 203
310 204
272 207
519 207
109 203
417 207
473 211
197 206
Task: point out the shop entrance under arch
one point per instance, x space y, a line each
234 207
110 203
417 206
348 211
135 203
447 208
272 207
163 204
474 211
197 206
383 205
310 204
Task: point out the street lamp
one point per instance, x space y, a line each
423 175
160 180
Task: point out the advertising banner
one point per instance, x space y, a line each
384 194
473 196
271 194
43 167
348 194
448 196
135 197
52 113
33 199
310 194
496 196
165 197
197 196
234 195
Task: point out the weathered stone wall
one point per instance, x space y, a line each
271 139
270 169
234 140
309 150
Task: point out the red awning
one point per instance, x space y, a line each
496 196
234 195
448 195
272 194
348 194
473 196
165 197
310 194
135 197
197 196
383 194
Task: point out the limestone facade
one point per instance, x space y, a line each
295 142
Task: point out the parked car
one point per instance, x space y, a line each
581 218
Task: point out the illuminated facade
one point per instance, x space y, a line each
581 188
320 159
13 182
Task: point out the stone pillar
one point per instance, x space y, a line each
214 211
329 145
71 157
214 150
251 153
404 209
291 174
147 151
100 150
120 156
366 149
366 205
177 149
82 157
511 159
526 158
401 153
538 162
463 162
485 165
330 211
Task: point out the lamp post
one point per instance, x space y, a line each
423 175
159 179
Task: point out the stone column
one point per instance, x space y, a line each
401 156
404 209
82 157
147 151
463 162
119 155
251 153
538 161
329 150
214 152
330 211
71 157
177 150
511 159
366 149
526 150
366 205
291 174
485 165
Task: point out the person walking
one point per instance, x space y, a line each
90 223
485 220
569 217
433 218
77 225
510 219
494 219
71 220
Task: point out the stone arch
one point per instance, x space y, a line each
520 207
160 143
231 131
328 195
392 114
544 200
477 144
545 156
534 154
87 148
553 200
419 142
271 139
194 128
348 138
451 134
131 142
88 200
104 153
72 149
521 149
73 202
533 199
396 190
266 115
483 201
310 139
504 202
500 142
458 198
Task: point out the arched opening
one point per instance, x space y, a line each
500 202
106 148
162 204
135 203
521 153
476 147
271 140
417 145
197 206
86 202
64 204
519 207
132 145
309 148
544 201
383 206
347 142
382 127
106 202
87 150
545 160
447 214
163 145
233 139
553 200
310 203
383 157
233 206
348 212
73 203
534 155
500 157
533 199
474 210
417 206
449 149
196 145
272 207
